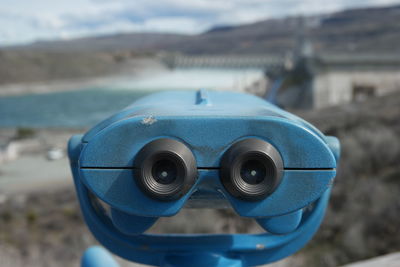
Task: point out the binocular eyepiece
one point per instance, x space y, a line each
250 169
167 169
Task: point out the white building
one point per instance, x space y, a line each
329 80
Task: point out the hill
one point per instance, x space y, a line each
362 219
354 30
368 30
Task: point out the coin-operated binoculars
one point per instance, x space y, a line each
202 149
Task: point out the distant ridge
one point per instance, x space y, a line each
355 30
368 31
220 28
142 42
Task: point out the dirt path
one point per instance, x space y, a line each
30 174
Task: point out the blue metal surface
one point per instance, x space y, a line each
98 257
103 161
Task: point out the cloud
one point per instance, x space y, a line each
25 20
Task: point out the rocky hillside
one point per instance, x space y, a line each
363 218
36 66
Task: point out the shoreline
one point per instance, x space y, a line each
133 68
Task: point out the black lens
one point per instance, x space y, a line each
251 169
165 171
253 172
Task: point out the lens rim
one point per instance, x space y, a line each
241 152
171 150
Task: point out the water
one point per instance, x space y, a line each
86 107
81 108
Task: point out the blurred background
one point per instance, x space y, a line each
66 65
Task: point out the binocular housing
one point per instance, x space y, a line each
202 149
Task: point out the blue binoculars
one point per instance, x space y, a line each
204 149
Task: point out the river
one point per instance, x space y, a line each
87 106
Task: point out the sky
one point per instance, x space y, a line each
25 21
